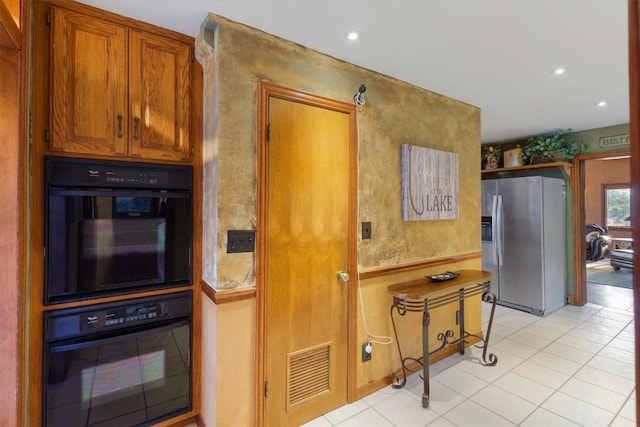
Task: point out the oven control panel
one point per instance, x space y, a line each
87 320
68 172
125 315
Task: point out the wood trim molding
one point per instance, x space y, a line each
559 165
197 112
579 296
402 268
181 421
634 131
121 20
598 155
261 254
223 296
25 22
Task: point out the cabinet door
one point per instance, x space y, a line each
159 93
89 66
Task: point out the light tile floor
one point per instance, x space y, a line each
574 367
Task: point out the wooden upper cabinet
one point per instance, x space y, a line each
159 89
118 91
88 90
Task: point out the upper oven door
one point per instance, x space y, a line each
103 242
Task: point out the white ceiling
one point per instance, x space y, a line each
495 54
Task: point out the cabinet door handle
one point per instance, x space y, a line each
120 126
136 134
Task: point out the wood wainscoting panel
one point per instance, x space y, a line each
376 302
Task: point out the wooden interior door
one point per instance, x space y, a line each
307 244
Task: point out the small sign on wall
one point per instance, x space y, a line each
429 184
612 141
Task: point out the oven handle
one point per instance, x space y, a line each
121 193
95 339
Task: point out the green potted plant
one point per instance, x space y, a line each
555 147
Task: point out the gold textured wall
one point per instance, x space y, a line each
395 113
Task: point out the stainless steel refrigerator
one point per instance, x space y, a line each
524 242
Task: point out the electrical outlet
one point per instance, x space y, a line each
366 355
241 241
366 230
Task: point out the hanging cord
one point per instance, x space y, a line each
378 339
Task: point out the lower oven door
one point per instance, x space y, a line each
137 375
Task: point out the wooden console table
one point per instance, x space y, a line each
423 295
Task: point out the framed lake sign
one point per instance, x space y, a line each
429 184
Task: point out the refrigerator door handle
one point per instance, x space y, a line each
494 229
500 230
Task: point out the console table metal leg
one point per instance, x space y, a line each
461 322
493 359
395 333
425 356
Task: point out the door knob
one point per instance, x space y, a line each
343 276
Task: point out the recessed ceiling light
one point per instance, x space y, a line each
560 71
602 103
353 35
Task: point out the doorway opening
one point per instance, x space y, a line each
603 231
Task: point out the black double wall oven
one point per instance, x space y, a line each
114 229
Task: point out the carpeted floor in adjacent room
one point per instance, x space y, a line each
601 272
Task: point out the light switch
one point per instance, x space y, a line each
366 230
241 241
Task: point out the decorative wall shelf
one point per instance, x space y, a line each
556 165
